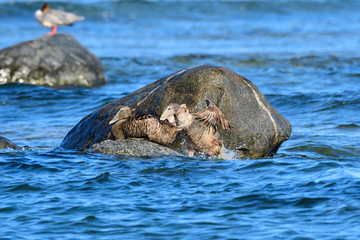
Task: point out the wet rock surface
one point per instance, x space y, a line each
132 147
258 129
52 60
6 143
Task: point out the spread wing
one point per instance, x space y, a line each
212 116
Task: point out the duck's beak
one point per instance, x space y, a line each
162 117
114 120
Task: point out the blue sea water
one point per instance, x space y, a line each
304 55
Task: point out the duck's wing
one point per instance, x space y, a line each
212 116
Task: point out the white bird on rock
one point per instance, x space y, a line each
53 18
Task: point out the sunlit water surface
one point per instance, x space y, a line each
303 55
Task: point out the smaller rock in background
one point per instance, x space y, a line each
6 143
55 61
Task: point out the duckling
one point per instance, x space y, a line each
200 127
125 125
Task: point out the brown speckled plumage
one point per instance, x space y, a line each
125 125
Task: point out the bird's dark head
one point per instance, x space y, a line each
45 8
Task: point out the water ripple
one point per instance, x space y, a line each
24 188
304 57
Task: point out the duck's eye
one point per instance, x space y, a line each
169 108
121 110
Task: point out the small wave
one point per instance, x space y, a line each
348 127
320 149
24 188
27 166
254 200
309 202
90 218
7 209
102 178
165 170
258 164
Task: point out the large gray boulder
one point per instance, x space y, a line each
258 129
51 60
6 143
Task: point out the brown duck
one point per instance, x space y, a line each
200 127
125 125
